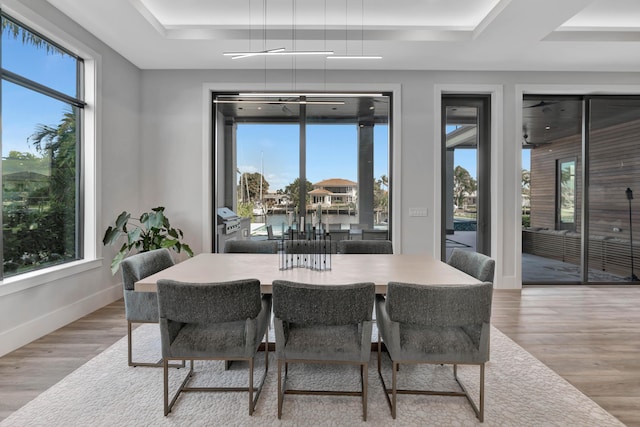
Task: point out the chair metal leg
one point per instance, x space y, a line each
364 377
394 375
251 387
280 396
479 410
130 361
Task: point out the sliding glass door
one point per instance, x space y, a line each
466 197
579 158
321 160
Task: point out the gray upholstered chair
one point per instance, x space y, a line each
337 235
365 247
323 324
142 307
375 234
473 263
213 321
436 325
251 246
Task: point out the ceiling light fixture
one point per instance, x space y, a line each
277 52
276 102
311 94
281 51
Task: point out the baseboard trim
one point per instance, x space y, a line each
27 332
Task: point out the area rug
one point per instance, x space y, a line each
520 391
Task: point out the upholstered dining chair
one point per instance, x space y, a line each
337 235
365 247
473 263
251 246
213 321
370 234
323 324
141 307
435 325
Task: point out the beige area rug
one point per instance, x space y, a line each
520 391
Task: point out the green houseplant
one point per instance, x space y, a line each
151 231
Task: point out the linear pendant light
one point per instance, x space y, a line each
277 52
275 101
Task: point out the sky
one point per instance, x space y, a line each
22 109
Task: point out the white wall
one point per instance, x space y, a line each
176 123
44 301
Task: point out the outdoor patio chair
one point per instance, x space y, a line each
337 235
323 324
213 321
434 325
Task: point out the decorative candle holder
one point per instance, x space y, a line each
312 250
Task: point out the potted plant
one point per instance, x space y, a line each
151 231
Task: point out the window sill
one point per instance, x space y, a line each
40 277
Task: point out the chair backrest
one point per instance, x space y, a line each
337 235
473 263
430 305
270 232
251 246
333 227
365 247
357 226
144 264
209 302
309 304
375 235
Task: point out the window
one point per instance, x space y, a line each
42 104
566 195
324 160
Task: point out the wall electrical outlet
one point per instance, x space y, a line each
418 212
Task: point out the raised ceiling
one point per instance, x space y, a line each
554 35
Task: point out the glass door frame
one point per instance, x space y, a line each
483 222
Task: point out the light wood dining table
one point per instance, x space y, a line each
379 269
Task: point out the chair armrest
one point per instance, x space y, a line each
387 328
365 344
169 330
279 326
256 328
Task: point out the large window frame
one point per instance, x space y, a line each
83 151
224 154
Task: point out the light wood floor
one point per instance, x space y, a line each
588 335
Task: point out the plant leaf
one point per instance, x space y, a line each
122 219
115 264
110 236
167 243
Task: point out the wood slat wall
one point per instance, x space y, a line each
614 160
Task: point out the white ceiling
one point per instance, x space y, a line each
555 35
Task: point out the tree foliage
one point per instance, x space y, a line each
463 185
293 191
27 37
47 234
249 186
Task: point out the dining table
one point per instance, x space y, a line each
345 268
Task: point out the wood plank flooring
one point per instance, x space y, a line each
590 335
